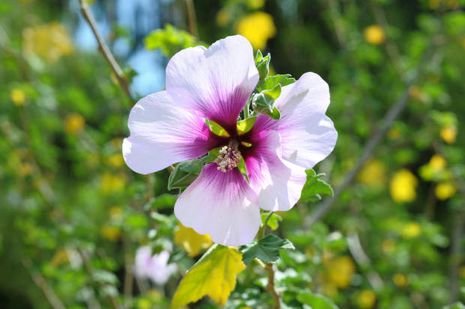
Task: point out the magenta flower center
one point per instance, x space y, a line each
233 148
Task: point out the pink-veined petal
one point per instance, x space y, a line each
307 134
277 182
221 205
216 81
162 133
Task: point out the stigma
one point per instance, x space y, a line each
228 158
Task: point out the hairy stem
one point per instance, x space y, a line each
116 69
271 287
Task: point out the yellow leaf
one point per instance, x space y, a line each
191 241
213 275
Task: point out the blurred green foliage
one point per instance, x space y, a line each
72 215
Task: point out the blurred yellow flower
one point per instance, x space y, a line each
416 93
112 183
388 245
191 241
437 163
403 186
400 280
25 169
374 35
74 124
445 190
116 213
435 168
255 4
149 301
366 299
111 233
115 160
116 142
60 257
339 271
222 18
449 134
50 41
257 28
393 133
18 97
411 230
373 173
450 4
434 4
462 272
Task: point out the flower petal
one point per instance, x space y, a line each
162 134
277 182
221 205
307 134
216 81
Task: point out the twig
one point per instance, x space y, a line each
271 287
120 76
391 48
392 114
128 274
337 22
386 123
356 249
455 253
192 18
42 284
89 270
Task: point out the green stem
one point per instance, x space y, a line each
270 270
246 110
265 224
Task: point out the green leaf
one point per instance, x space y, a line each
315 301
272 81
213 275
273 220
169 40
263 64
244 126
164 201
455 306
266 249
186 172
243 169
275 113
130 73
216 128
315 188
273 93
265 105
103 276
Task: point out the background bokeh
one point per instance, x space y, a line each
72 215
